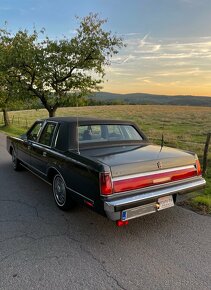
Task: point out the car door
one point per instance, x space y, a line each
24 146
41 150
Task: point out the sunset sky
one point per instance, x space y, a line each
168 41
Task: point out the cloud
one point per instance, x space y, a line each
130 57
173 49
119 71
123 59
156 47
143 40
132 34
168 56
168 64
144 79
16 9
186 1
190 2
6 8
71 31
193 72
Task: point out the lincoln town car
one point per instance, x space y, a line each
107 165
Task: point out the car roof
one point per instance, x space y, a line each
84 120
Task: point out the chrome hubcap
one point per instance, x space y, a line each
59 191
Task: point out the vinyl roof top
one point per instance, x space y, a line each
87 120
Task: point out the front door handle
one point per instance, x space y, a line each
29 144
44 154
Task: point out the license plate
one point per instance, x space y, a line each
165 202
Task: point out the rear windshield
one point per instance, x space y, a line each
105 133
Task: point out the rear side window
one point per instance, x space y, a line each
107 133
46 137
132 133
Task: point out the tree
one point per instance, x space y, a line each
6 84
11 93
4 99
9 96
56 71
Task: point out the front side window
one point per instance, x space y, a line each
107 133
34 131
47 134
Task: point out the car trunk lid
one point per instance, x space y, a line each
128 160
135 167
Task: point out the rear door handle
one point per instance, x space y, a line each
44 154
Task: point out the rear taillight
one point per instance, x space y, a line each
198 167
153 179
106 187
121 223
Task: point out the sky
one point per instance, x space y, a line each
168 41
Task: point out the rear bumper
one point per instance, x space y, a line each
145 203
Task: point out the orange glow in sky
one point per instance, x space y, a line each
162 66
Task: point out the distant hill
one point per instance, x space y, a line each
150 99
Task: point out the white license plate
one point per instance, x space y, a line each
165 202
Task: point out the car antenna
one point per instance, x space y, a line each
162 142
77 126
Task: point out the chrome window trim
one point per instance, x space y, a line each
40 131
56 136
53 151
44 125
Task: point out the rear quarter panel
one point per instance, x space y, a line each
81 176
12 142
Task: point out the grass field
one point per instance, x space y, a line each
182 127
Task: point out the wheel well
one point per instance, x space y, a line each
51 173
11 149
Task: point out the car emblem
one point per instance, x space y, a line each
159 164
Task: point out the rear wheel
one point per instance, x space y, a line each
15 162
61 196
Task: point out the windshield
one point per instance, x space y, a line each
105 133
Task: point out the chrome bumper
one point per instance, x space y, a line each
145 203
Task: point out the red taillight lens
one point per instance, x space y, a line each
105 183
121 223
198 167
153 179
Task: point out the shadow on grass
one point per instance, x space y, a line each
12 130
199 202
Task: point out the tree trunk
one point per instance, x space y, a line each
52 112
6 118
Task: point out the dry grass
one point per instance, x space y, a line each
182 127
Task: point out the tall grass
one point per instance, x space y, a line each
183 127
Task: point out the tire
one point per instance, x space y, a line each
60 193
15 162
